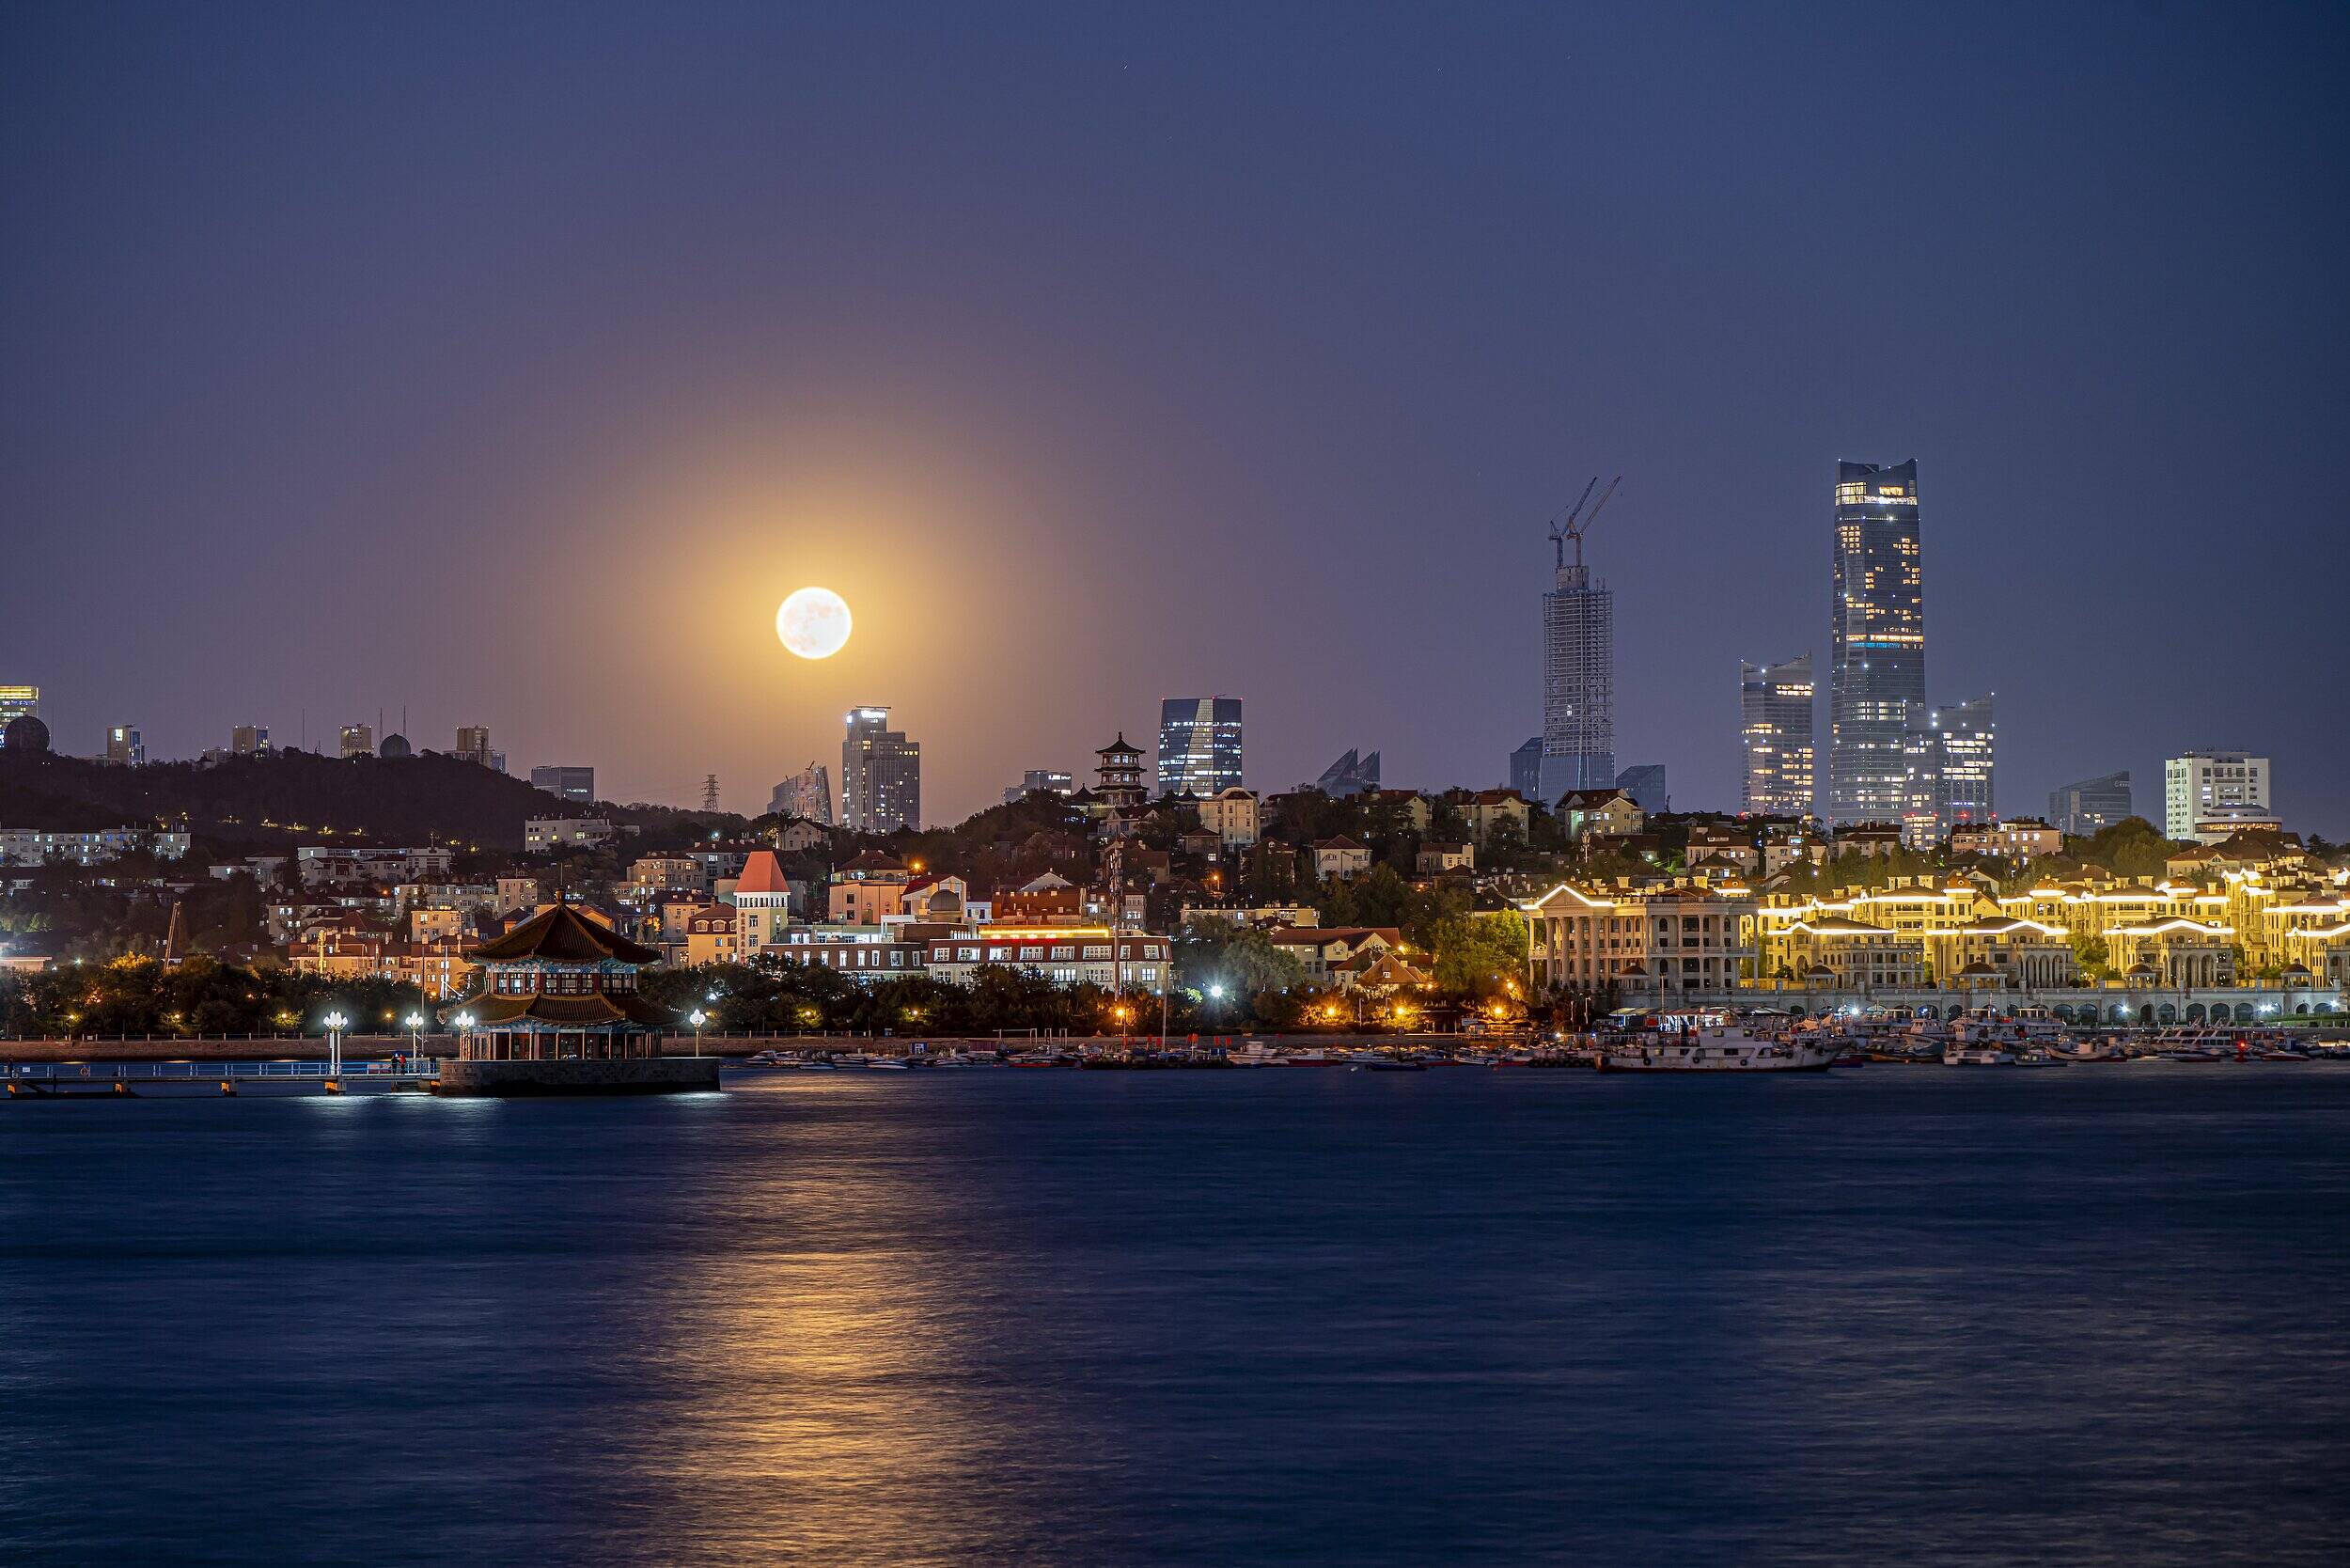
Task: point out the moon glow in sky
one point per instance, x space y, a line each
813 622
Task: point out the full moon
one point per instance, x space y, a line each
813 622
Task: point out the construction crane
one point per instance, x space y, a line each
1579 521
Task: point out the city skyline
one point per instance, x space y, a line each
960 430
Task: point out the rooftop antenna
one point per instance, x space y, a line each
1579 521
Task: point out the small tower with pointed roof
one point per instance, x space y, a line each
1120 775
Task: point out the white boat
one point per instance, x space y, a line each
1977 1055
1720 1050
1255 1054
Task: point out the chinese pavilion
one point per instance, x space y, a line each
558 1012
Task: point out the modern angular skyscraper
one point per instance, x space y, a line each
1578 667
881 775
1199 744
806 794
1877 626
1775 719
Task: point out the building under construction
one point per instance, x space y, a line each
1579 663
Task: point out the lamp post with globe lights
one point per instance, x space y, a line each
698 1019
335 1023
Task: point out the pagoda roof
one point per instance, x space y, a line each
562 935
1118 747
597 1009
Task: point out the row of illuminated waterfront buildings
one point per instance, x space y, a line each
2255 926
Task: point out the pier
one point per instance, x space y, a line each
60 1080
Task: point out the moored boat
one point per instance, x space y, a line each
1719 1050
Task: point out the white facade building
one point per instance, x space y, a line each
2206 786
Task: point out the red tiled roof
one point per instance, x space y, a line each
762 873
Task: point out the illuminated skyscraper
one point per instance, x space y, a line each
357 739
1199 744
125 746
249 740
1775 724
1877 659
881 775
1947 756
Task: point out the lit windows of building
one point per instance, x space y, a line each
1877 664
1200 744
1776 719
881 775
2212 786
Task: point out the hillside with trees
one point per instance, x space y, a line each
268 801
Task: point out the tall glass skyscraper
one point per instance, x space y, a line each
1578 683
1878 658
881 775
1199 744
1774 726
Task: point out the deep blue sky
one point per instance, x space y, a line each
511 364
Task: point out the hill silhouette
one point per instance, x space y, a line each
421 799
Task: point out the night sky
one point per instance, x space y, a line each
510 363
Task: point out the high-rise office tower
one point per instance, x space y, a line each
1775 724
358 739
1877 635
1199 744
249 740
2092 803
473 744
806 793
881 775
1578 667
125 746
571 783
1948 756
18 702
2211 787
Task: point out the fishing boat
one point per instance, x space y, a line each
1978 1056
1317 1057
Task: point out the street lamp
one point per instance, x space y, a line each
335 1024
698 1019
415 1036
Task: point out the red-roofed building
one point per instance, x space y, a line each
763 904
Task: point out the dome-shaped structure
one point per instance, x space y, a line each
395 745
25 733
